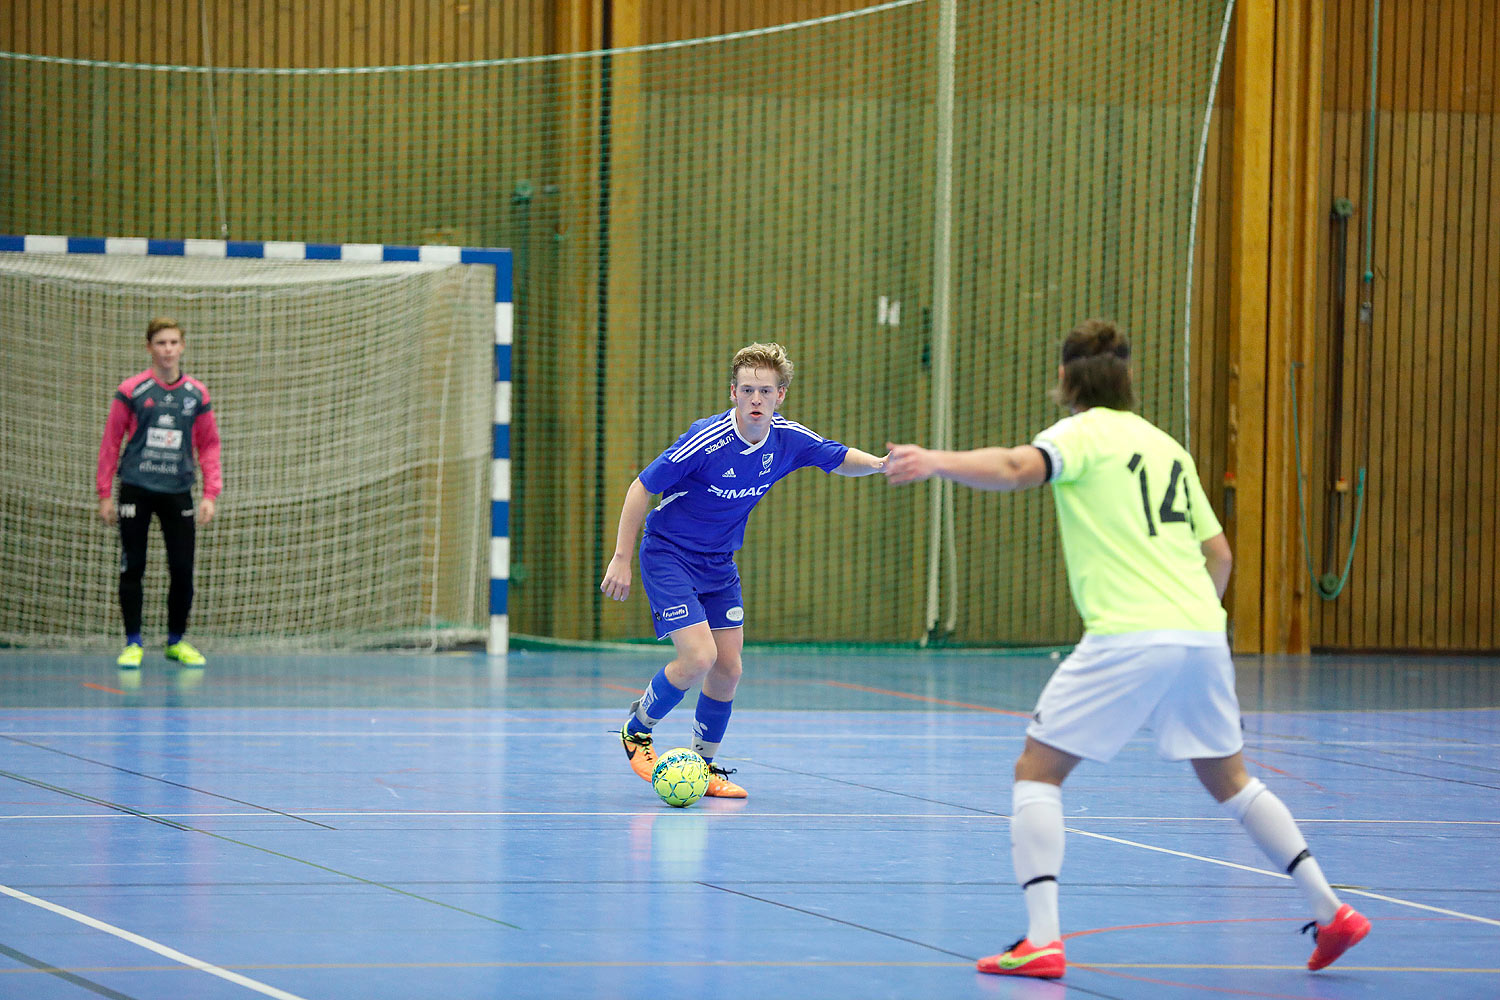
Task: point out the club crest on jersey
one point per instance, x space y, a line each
765 463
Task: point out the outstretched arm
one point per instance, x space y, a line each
616 584
860 463
1003 469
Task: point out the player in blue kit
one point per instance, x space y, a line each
709 481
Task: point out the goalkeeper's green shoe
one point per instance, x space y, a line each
183 652
130 656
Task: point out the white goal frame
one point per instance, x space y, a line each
498 640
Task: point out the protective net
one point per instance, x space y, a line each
918 199
353 403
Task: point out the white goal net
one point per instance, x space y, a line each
354 406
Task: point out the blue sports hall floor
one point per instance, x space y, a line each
393 826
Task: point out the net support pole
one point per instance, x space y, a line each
1192 241
942 343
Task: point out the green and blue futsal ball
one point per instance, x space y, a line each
680 777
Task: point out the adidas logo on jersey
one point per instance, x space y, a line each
728 474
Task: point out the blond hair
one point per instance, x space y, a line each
762 356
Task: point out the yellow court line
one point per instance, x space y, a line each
1271 968
296 966
561 813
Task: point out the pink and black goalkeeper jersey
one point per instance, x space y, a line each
161 426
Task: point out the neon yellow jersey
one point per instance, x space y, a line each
1133 516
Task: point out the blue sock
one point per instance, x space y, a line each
133 637
173 638
710 721
659 698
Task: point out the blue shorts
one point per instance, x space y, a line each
687 587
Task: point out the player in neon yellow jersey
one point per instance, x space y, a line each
1148 564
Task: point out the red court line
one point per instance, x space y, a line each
101 687
619 687
1175 923
1198 986
1199 923
1285 774
932 701
1173 982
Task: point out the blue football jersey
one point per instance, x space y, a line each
711 478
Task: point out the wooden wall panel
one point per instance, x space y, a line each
1342 155
1419 390
674 22
1419 383
279 34
1249 222
1482 442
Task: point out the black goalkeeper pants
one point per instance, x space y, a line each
178 531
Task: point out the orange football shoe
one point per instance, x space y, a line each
719 785
638 751
1026 959
1347 929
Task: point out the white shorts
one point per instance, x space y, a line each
1179 684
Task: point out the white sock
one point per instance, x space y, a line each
1275 832
1036 850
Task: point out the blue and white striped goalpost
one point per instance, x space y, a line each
498 641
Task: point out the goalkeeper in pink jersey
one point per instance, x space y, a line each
163 417
1148 565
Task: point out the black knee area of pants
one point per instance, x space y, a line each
179 533
134 531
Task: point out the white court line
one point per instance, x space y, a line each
271 991
149 945
491 813
1262 871
502 732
